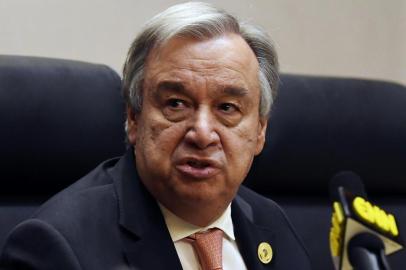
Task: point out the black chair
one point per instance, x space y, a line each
60 118
320 126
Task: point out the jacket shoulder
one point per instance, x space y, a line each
262 207
82 196
82 217
36 238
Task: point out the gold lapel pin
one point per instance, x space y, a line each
265 252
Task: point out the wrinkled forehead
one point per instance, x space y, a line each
224 61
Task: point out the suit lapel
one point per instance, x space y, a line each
249 235
146 240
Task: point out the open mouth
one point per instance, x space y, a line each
198 168
198 164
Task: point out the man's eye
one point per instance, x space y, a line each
228 107
176 103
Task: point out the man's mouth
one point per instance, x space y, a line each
198 164
198 168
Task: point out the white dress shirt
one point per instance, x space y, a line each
180 229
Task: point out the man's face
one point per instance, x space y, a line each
199 127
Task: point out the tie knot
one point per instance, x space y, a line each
209 246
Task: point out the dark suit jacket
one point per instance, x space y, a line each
108 220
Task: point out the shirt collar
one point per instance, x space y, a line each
179 228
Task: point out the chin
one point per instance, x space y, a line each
202 194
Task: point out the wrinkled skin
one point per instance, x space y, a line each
199 128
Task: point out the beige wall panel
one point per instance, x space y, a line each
357 38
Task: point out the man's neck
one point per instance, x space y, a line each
179 228
199 215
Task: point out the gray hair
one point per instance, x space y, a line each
198 20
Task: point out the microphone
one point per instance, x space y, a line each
361 233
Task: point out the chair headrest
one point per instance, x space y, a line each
58 119
322 125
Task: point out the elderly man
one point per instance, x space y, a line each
199 86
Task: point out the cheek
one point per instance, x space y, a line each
158 138
242 139
240 147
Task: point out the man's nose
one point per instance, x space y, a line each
201 131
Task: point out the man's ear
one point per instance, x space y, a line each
131 126
263 123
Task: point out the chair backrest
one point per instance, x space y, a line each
58 120
323 125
